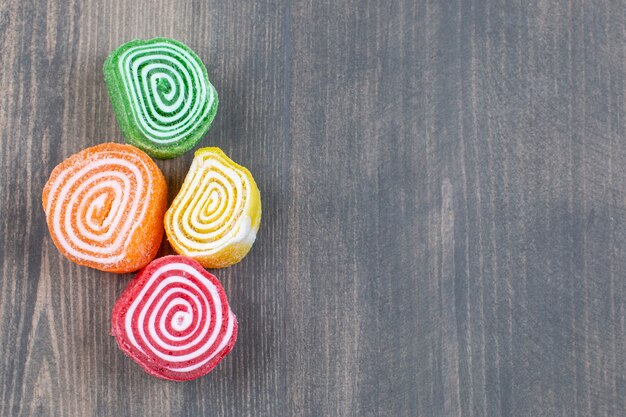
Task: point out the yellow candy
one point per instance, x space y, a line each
216 214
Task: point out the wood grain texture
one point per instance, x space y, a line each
444 195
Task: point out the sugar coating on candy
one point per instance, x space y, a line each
216 214
174 319
104 207
161 95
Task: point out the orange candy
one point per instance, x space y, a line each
105 206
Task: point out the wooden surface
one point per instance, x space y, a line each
444 195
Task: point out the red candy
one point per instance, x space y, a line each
174 320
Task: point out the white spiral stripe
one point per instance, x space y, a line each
197 97
188 319
181 320
124 216
153 317
222 345
162 325
69 212
97 204
131 67
160 352
121 200
153 84
152 322
156 94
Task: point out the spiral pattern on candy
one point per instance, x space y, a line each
161 95
215 216
174 319
104 207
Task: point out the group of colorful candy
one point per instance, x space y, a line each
106 208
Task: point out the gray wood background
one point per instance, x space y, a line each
444 195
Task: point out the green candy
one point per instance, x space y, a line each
161 95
